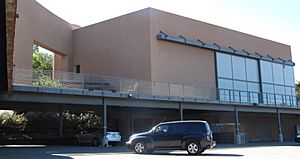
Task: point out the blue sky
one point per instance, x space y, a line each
277 20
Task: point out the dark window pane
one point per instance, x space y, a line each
180 128
172 129
266 71
77 68
252 70
224 65
278 73
195 127
239 68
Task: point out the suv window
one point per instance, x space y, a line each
172 129
181 128
162 129
196 127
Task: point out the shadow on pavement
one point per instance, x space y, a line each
28 152
53 152
256 144
222 155
204 154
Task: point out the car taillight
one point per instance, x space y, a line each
208 136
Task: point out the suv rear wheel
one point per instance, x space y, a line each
193 148
140 147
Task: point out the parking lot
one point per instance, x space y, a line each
252 150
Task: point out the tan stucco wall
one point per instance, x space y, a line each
182 64
116 47
38 25
178 63
193 29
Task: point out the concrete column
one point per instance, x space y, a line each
237 135
104 116
104 140
180 111
280 135
60 123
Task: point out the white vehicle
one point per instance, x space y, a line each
94 136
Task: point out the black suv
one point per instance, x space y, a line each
193 136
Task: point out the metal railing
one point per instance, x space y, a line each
107 83
91 82
255 98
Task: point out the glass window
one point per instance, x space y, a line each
288 91
289 76
252 70
253 97
278 73
172 129
293 91
225 89
240 93
239 85
162 129
294 104
225 84
279 99
266 71
288 100
253 87
268 88
225 95
279 89
224 65
239 70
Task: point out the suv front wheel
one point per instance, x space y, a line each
140 147
193 148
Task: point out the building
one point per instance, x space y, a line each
150 66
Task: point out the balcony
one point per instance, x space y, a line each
98 85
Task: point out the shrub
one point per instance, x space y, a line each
81 121
47 81
13 123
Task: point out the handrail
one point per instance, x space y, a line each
59 79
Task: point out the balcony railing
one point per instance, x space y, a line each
70 80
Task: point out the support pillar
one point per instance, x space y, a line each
60 122
104 140
180 111
237 135
280 135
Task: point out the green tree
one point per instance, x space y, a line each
42 65
46 80
41 60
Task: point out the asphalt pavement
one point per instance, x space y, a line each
271 150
